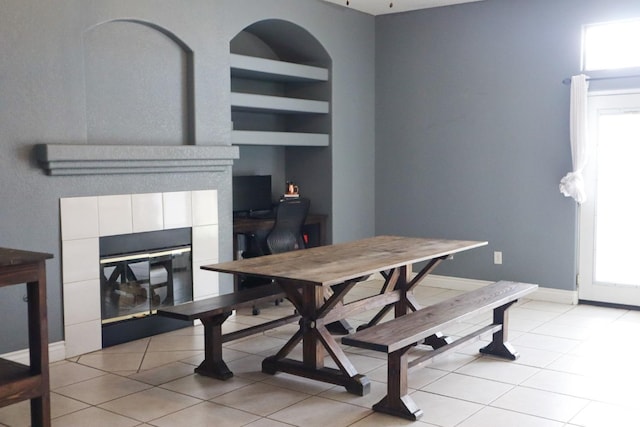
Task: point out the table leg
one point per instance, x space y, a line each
400 279
311 304
39 346
436 340
390 284
351 380
312 351
397 279
339 327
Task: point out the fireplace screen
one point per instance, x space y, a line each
137 284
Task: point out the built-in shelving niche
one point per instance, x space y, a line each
281 109
280 94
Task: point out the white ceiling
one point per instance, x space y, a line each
380 7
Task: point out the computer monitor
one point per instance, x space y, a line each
251 193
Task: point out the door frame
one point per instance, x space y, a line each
605 293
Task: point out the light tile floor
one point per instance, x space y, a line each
578 367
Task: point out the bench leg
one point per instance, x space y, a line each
213 365
397 402
500 346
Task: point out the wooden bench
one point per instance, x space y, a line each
212 312
397 336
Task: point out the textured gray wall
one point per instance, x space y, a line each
43 100
472 128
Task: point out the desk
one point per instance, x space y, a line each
316 281
19 382
315 226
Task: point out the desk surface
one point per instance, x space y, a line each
246 224
334 264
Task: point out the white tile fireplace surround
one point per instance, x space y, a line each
85 219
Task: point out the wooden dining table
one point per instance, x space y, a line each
316 281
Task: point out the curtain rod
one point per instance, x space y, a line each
628 76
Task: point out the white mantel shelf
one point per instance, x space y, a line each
85 159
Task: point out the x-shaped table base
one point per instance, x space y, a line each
318 308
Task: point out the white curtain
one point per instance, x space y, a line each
572 185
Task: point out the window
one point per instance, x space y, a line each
612 45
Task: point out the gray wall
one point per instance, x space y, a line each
43 100
461 131
472 128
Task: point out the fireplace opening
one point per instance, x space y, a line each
140 273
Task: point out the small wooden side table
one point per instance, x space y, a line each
19 382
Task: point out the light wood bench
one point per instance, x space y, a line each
213 312
397 336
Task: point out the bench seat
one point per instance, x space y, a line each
213 312
397 336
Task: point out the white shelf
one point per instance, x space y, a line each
277 104
244 137
269 69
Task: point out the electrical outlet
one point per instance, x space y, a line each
497 257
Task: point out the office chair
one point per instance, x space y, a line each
286 235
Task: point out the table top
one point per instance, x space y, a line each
338 263
19 257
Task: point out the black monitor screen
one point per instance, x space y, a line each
252 193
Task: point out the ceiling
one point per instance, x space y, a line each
380 7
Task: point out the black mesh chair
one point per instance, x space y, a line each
285 236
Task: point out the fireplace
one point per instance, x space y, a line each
140 273
89 226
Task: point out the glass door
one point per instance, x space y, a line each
135 285
609 219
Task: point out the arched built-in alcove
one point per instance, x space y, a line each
138 85
281 108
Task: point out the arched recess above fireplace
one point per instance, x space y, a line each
139 85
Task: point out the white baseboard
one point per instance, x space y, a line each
56 353
461 284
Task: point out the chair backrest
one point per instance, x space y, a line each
286 234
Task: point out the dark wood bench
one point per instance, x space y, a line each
397 336
213 312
